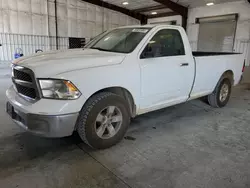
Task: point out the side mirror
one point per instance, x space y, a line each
147 53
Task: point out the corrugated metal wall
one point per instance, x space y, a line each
243 46
30 24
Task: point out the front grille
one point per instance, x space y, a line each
21 75
25 83
26 91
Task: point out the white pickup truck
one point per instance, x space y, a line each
120 74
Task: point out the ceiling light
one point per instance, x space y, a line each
125 3
210 4
154 13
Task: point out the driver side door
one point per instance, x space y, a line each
166 73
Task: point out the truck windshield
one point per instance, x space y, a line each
122 40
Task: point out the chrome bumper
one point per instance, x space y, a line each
44 125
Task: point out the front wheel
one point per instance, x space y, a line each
104 120
221 95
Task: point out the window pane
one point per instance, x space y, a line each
167 42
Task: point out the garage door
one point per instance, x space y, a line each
216 34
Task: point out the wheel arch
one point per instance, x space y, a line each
228 74
123 92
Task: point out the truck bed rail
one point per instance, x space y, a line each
197 53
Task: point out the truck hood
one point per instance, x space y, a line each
56 62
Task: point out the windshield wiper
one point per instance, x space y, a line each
105 50
101 49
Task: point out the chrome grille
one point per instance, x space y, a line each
25 82
26 91
21 75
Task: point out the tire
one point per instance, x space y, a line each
89 122
214 99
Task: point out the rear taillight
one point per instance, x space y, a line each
243 68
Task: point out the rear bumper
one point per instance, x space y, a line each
44 125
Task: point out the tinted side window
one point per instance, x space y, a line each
166 42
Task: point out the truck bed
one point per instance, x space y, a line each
209 68
199 53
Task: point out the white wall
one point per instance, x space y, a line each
75 18
24 23
177 18
19 16
81 19
242 38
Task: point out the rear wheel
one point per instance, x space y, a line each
221 95
104 120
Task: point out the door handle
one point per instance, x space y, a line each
184 64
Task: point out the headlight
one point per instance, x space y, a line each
59 89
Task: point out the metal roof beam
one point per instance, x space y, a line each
151 8
183 11
128 12
165 14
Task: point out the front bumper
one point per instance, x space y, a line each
44 125
47 118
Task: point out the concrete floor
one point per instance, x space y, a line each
5 69
188 145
